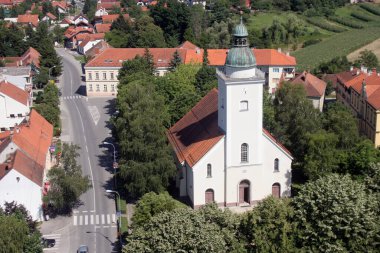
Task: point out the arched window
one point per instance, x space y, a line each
244 153
209 196
209 172
244 105
276 190
276 165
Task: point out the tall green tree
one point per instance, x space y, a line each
296 116
49 106
368 59
176 60
269 227
336 214
147 164
205 80
67 181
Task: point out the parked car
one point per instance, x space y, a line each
82 249
47 243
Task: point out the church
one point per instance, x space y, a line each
223 153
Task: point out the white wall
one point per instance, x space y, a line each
216 181
10 149
24 192
261 176
10 106
19 81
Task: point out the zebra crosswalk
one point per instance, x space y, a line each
55 248
72 97
94 219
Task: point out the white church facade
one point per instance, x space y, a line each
223 153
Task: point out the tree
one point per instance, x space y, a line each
296 116
336 214
11 40
184 230
205 80
139 68
219 35
66 180
152 204
147 164
362 157
147 34
336 65
18 231
269 227
179 90
368 59
175 61
49 106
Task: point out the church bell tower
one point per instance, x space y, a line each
240 102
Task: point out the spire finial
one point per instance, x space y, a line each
241 19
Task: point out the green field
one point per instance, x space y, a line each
337 45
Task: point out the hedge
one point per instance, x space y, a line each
361 16
371 8
325 25
346 22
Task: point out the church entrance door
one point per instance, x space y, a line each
244 190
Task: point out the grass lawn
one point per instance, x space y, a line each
123 206
124 224
337 45
265 19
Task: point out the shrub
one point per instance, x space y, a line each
325 25
346 22
311 42
371 8
361 16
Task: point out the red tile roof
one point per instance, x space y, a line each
198 131
72 31
97 49
114 57
14 92
28 19
51 16
188 45
372 82
6 2
90 37
102 28
314 86
272 57
63 5
108 5
34 138
31 56
25 166
109 18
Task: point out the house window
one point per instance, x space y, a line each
12 115
244 105
89 76
209 172
19 115
97 87
209 196
104 76
244 153
112 87
105 87
276 165
276 70
90 87
96 76
2 129
111 76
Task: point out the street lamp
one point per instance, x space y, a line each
114 159
119 216
50 70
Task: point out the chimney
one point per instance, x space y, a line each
351 68
279 49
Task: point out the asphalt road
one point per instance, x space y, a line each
84 122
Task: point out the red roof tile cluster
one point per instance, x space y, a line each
198 131
51 16
314 86
108 5
190 53
6 2
372 82
73 31
34 137
29 57
114 57
61 4
97 49
102 28
90 37
112 17
14 92
28 19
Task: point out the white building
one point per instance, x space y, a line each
21 180
14 105
19 76
223 153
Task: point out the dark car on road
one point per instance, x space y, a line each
47 243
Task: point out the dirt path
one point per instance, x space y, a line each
373 46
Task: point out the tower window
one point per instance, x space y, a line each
209 172
276 70
244 153
276 165
244 105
